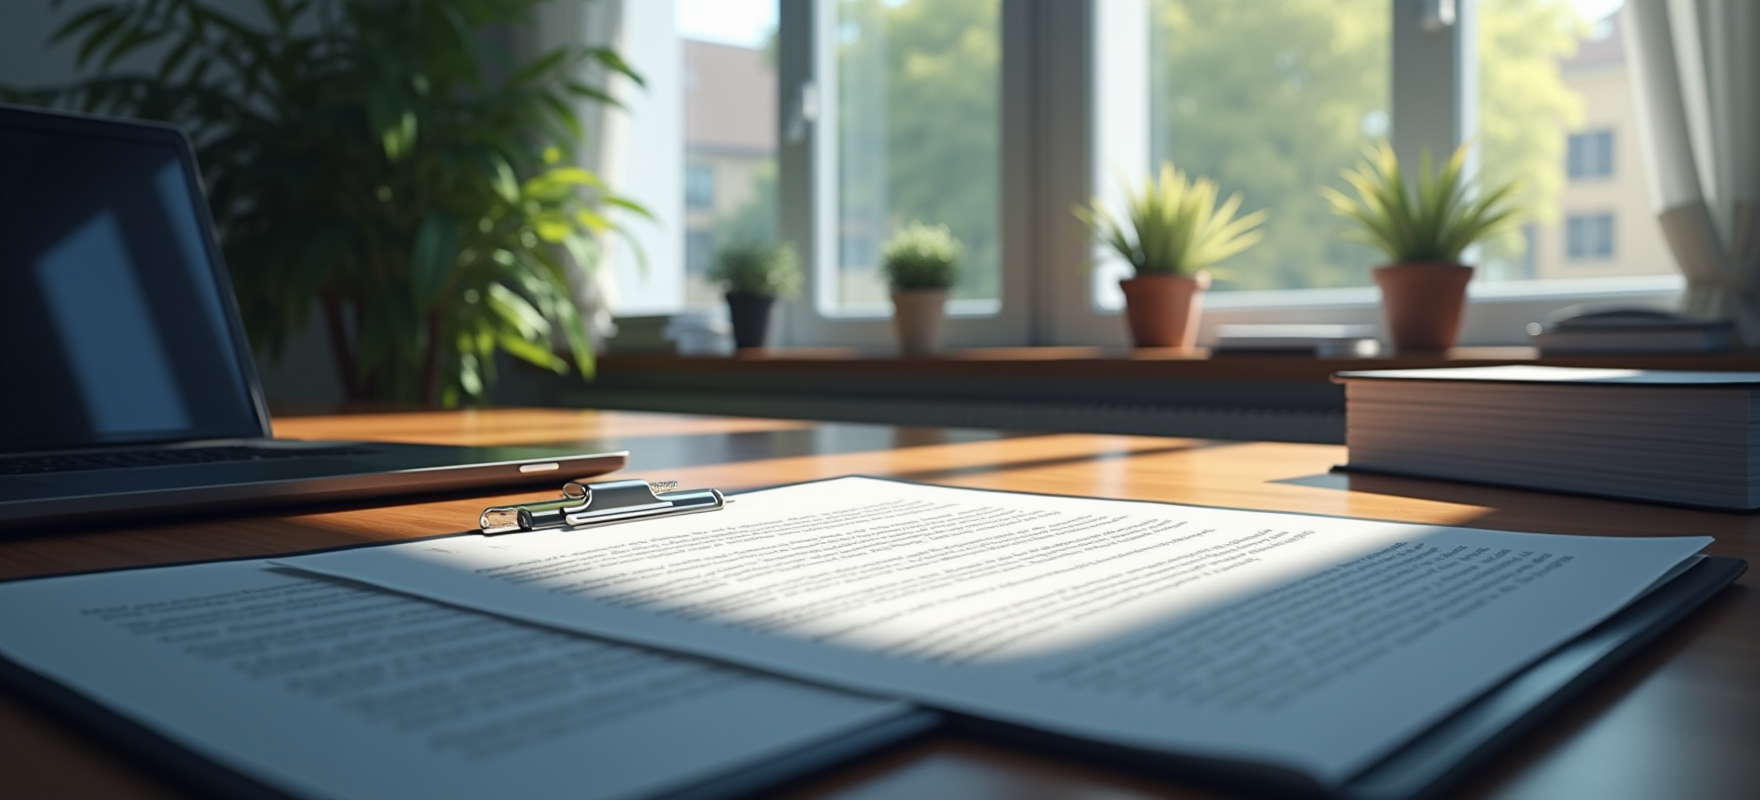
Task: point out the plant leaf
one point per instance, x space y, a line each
432 257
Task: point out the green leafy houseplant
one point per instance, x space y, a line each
920 257
1173 231
1423 230
1434 221
380 162
1173 226
756 268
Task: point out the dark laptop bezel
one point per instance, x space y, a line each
92 126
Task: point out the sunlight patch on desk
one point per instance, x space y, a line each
521 427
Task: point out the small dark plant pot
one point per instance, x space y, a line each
1423 302
750 315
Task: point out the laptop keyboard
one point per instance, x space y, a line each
37 465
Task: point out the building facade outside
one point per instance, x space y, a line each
1604 226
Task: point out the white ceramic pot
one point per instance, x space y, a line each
920 317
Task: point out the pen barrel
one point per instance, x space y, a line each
671 503
591 504
530 516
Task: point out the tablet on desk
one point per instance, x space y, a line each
130 387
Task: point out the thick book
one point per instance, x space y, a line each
1283 653
1683 438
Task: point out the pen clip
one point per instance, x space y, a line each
584 504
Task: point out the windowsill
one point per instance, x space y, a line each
1144 364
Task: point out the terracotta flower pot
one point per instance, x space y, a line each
750 317
920 317
1423 302
1163 310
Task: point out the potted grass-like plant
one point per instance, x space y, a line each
921 263
1423 230
1174 230
754 274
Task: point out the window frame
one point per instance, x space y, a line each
1050 106
807 197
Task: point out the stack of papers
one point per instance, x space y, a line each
685 334
1580 330
710 653
1673 437
1319 341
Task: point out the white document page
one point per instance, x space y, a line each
325 689
1312 643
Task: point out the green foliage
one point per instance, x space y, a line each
921 256
1268 97
937 136
1174 225
758 268
755 220
1433 221
376 160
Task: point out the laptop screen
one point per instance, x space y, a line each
113 316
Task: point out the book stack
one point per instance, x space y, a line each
1575 332
685 334
1684 438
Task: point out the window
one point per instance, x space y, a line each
1589 237
966 112
699 253
1583 189
1272 100
695 145
917 141
1590 155
699 186
729 132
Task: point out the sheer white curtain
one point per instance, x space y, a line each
1697 64
596 24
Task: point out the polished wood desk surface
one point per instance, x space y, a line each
1680 721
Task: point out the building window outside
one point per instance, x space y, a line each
1590 155
1589 237
699 253
699 186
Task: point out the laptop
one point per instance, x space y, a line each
126 383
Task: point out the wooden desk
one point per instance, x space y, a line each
1682 720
